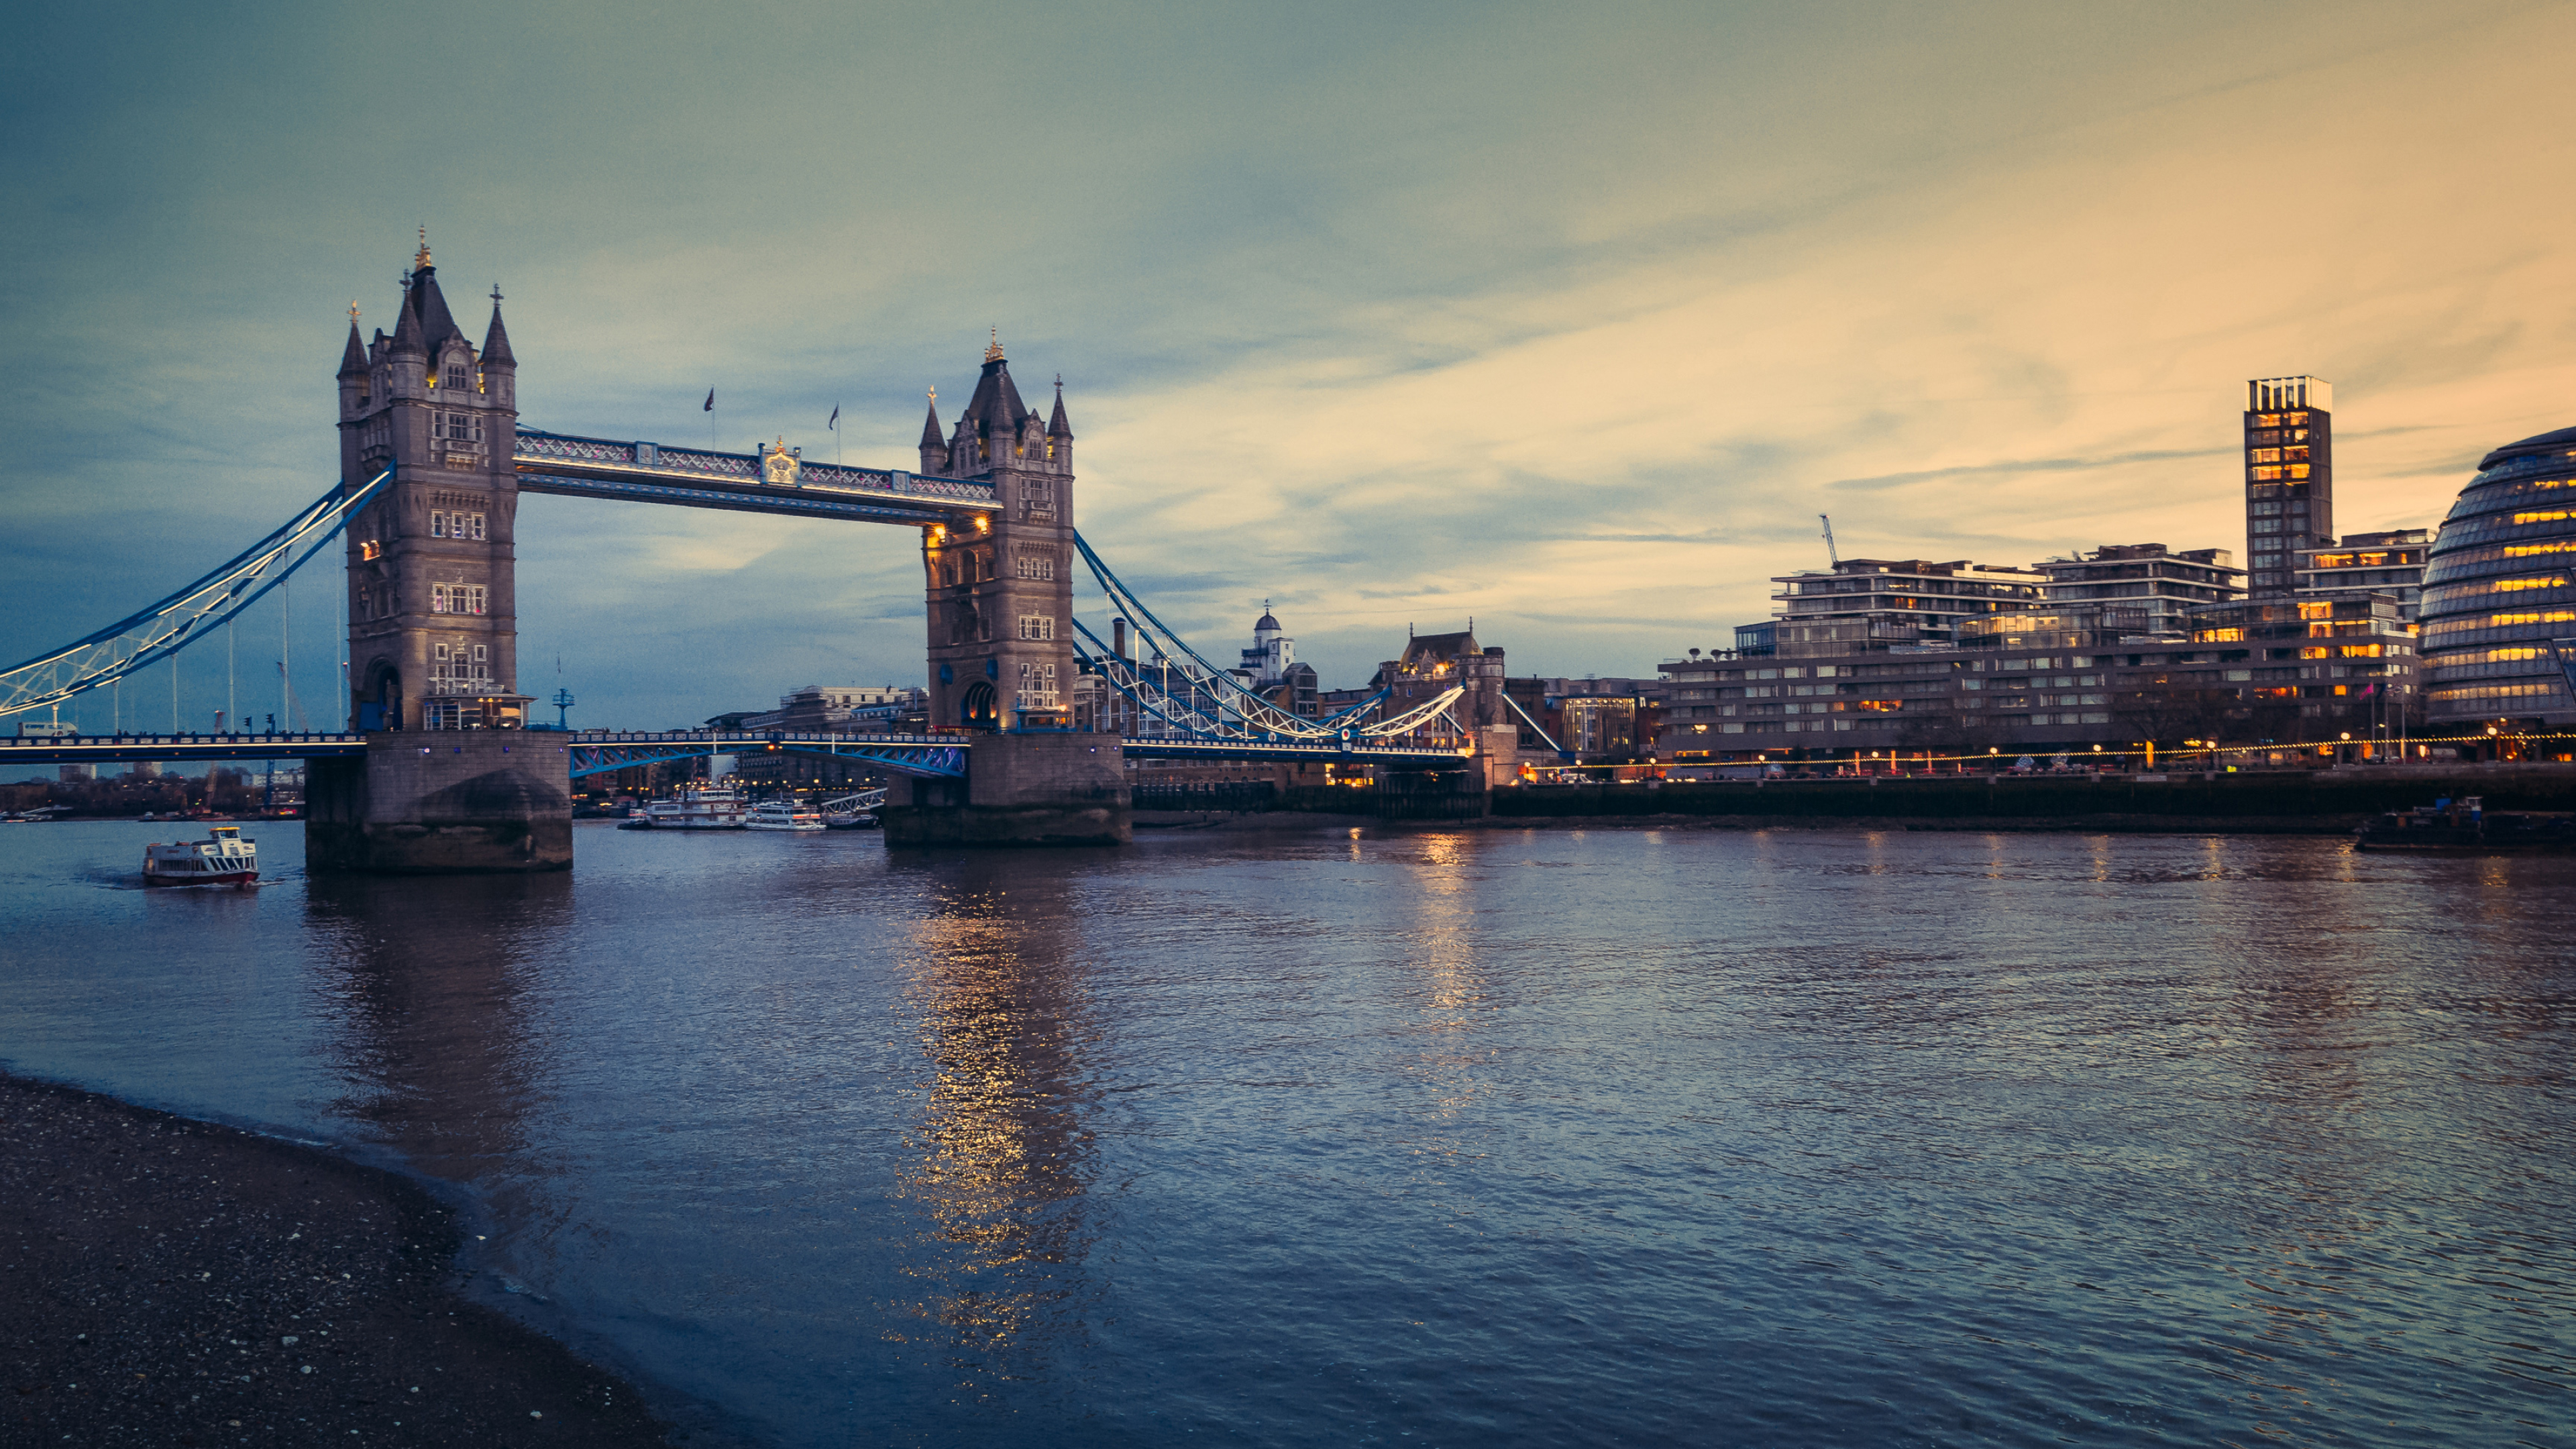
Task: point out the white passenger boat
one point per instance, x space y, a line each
222 859
715 808
783 815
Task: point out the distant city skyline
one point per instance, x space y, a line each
1567 323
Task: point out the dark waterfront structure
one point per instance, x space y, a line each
2289 478
2500 593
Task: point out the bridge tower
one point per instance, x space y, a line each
451 781
1001 595
433 637
1000 612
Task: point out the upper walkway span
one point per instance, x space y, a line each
772 481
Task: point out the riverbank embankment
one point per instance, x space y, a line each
175 1282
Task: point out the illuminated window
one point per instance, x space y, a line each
2543 581
2558 515
2265 475
2316 611
2264 455
371 549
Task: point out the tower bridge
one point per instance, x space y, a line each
437 769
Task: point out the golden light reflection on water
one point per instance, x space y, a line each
999 1158
1439 972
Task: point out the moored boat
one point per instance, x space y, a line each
2465 827
224 858
783 815
716 807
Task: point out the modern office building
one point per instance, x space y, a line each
2389 563
2289 478
2499 606
1874 604
2043 681
2159 585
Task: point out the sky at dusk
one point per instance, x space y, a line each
1569 319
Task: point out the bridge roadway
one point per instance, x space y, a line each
643 472
600 751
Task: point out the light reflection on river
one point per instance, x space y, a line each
1637 1137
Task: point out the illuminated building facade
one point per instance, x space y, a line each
2289 478
2499 607
2047 680
2157 585
1866 604
2360 564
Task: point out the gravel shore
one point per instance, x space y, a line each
171 1282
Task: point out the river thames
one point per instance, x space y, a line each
1545 1137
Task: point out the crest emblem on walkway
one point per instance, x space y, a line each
778 466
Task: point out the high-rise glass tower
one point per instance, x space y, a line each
2289 479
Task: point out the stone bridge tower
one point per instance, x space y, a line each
1001 595
1001 639
433 636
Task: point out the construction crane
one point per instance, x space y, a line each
1830 553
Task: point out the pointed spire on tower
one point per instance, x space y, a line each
353 358
930 434
436 326
407 336
496 338
1057 427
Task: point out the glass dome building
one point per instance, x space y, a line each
2499 606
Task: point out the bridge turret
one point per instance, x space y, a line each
407 353
1059 433
500 369
934 447
353 371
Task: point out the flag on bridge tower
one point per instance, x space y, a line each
710 404
834 421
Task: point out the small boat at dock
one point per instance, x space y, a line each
224 858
